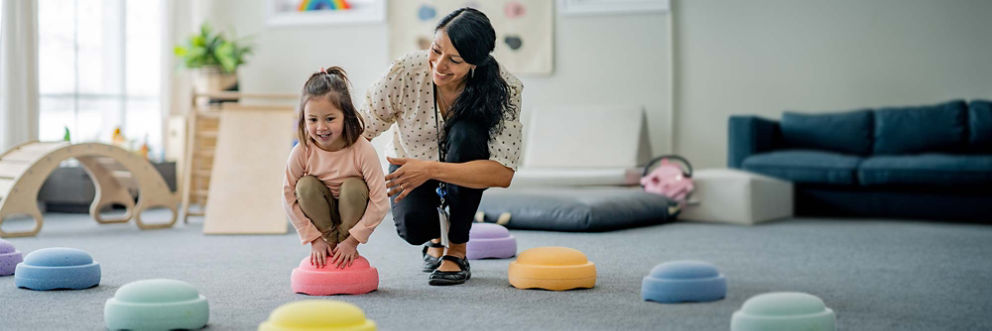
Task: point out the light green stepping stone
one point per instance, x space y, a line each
783 311
156 304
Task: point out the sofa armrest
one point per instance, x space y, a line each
748 135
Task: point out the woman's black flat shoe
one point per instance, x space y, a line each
438 277
430 262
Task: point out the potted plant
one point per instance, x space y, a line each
214 58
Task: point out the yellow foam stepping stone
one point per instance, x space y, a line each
317 315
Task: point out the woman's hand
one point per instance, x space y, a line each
411 174
345 252
319 251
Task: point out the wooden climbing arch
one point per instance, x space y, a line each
24 168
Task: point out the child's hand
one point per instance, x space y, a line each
345 252
319 251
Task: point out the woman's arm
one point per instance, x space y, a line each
379 110
475 174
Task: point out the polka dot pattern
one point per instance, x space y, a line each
403 96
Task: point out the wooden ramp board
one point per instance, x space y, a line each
245 194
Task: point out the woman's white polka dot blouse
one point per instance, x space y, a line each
404 96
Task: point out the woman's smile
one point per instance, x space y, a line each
441 76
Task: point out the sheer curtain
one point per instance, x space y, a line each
100 69
19 78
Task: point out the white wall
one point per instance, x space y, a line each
598 59
763 57
732 57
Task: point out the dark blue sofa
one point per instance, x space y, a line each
931 162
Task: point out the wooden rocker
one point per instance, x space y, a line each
24 168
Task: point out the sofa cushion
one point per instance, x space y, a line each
980 125
908 130
847 132
806 166
927 169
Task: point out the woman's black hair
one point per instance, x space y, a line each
486 97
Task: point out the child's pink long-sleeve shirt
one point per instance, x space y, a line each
332 168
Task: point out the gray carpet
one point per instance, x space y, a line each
876 274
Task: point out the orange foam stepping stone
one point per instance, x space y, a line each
552 268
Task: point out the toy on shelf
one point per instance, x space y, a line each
143 151
118 138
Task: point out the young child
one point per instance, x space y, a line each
335 192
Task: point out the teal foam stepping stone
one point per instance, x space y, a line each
684 281
57 268
156 304
9 258
783 311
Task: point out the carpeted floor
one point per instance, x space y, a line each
876 275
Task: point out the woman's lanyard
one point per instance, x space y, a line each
442 146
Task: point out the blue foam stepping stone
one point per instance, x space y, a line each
57 268
782 311
684 281
9 258
156 304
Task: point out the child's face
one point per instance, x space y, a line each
324 123
447 67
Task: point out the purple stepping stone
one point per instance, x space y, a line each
9 258
488 240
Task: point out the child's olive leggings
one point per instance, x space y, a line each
333 217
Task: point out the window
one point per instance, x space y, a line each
99 65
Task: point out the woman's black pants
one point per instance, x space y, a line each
416 215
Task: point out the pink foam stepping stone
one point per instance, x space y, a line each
358 278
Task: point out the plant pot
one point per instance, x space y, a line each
213 79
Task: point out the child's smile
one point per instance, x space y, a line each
324 124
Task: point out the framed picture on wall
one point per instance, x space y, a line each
316 12
604 7
524 30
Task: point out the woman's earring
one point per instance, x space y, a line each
472 72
